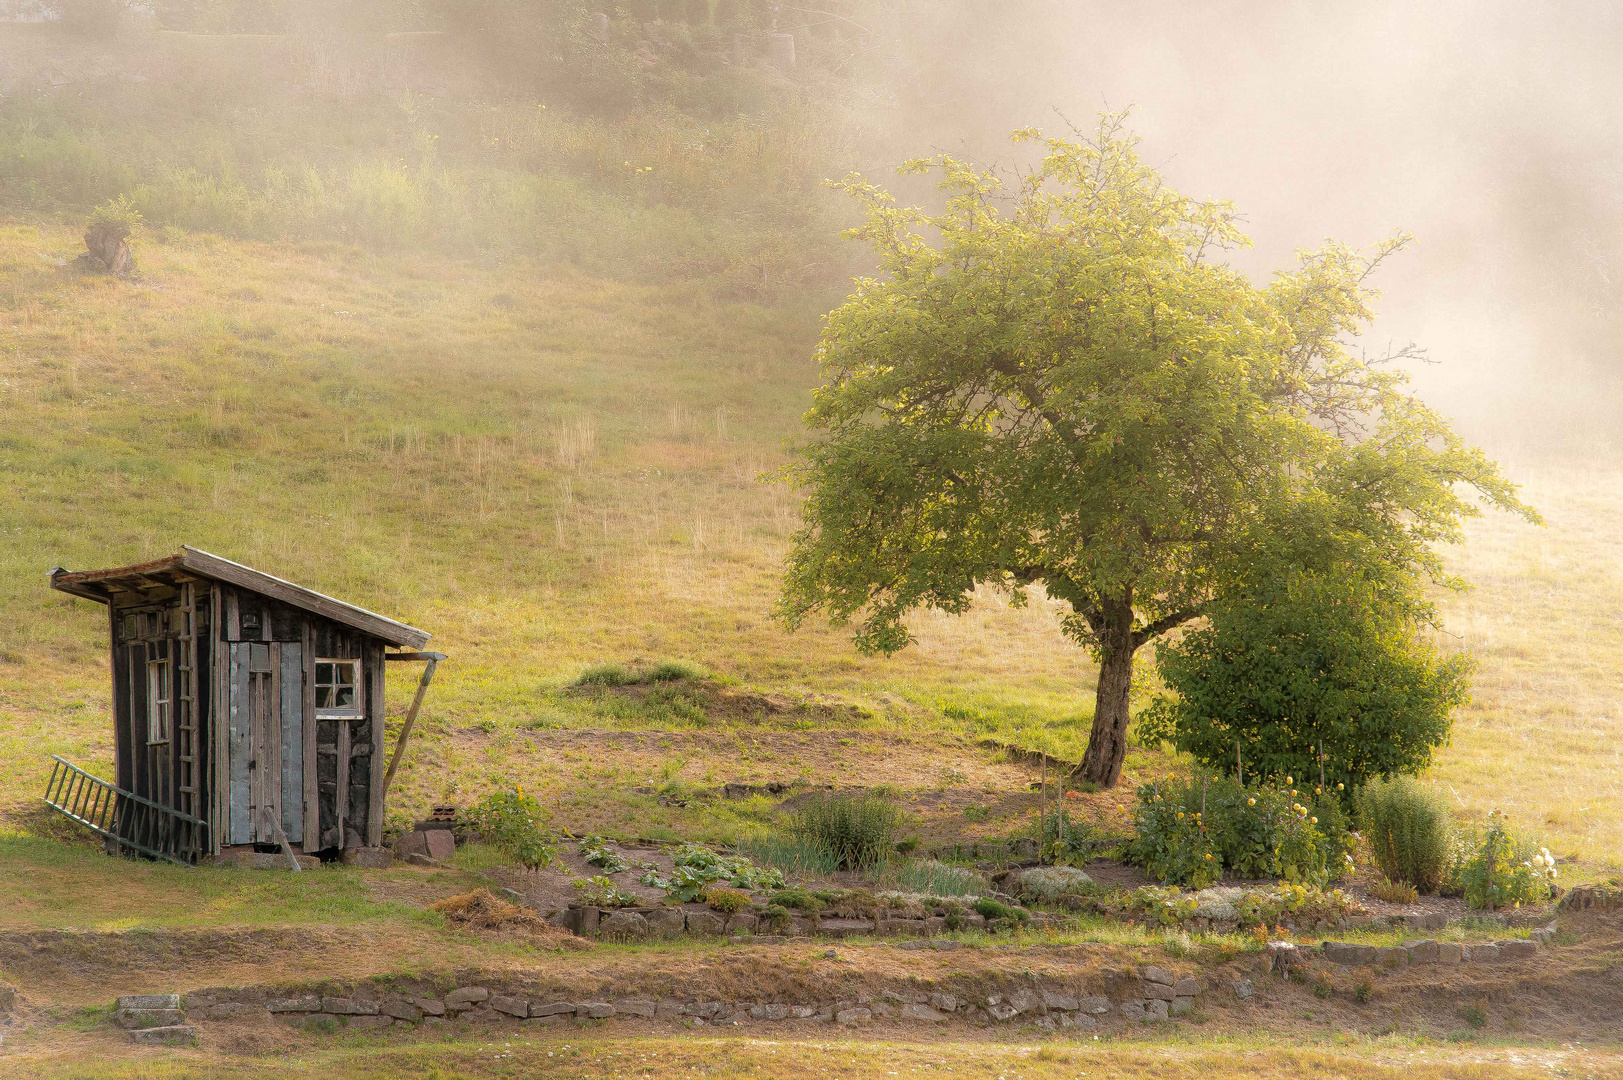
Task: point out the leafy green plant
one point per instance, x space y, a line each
1474 1015
799 899
601 892
727 901
117 218
1409 831
595 850
698 868
514 823
1506 870
993 910
857 833
1394 892
1189 832
1300 669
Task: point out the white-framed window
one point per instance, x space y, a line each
338 689
158 701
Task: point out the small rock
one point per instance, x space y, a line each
1156 991
1001 1011
552 1008
370 858
1186 987
467 995
402 1010
622 926
1058 999
1485 954
304 1003
430 1006
1243 989
1024 1000
148 1001
1133 1010
1450 952
1421 952
857 1015
1282 956
340 1006
369 1023
511 1006
802 1012
1517 950
228 1010
915 1011
941 945
172 1035
1391 956
148 1018
595 1010
1180 1006
1154 974
831 954
638 1007
1156 1010
944 1002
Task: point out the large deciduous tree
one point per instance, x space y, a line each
1065 384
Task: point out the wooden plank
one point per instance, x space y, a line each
122 747
240 746
219 726
290 673
369 622
341 793
372 669
233 619
312 793
142 778
270 758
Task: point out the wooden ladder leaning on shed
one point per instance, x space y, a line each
123 817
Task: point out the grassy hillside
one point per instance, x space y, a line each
513 371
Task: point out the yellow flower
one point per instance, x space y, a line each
1314 820
1251 801
1340 787
1180 815
1289 781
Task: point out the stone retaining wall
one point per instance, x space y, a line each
1147 995
1283 955
648 923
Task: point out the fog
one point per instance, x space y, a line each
1490 130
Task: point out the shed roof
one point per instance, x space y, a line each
190 564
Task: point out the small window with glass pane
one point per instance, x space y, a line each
158 701
338 688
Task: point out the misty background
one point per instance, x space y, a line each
1489 130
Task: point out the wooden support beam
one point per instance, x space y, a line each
433 659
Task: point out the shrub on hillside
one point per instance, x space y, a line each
1506 870
1191 831
1409 831
855 832
1305 672
514 823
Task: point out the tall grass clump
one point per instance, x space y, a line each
788 853
856 832
1409 830
933 878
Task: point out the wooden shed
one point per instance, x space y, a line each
247 712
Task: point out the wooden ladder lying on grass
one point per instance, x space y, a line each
123 817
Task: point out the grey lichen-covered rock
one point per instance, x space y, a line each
595 1010
944 1002
230 1010
1133 1010
511 1006
1156 991
1391 956
369 1023
1151 973
148 1018
1485 954
1421 952
1186 987
467 995
1002 1011
851 1016
552 1008
1343 952
1450 952
171 1035
1097 1006
402 1010
148 1001
623 926
1180 1006
1218 903
1243 989
342 1006
638 1007
1051 882
915 1011
1516 950
1058 999
1156 1010
1024 1000
300 1004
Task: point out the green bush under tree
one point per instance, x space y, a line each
1191 832
1409 830
1311 672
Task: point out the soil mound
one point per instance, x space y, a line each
484 911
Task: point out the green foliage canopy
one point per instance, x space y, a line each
1304 663
1064 384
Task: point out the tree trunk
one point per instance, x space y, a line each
1107 743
